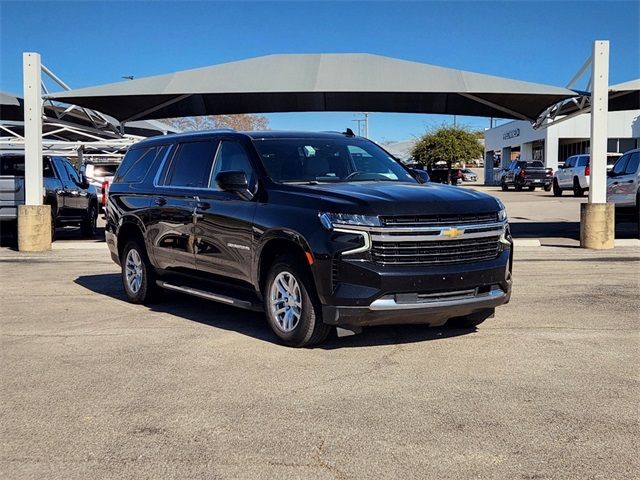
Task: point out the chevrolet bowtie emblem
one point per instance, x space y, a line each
452 232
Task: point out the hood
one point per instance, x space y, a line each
390 198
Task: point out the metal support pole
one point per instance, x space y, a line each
597 217
599 114
366 125
32 128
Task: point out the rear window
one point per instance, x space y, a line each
535 164
13 166
136 164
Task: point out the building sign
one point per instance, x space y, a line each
511 134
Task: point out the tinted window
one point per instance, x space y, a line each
135 165
570 163
620 165
104 170
232 157
13 166
328 160
582 161
632 164
535 164
71 172
191 165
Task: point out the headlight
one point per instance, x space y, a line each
339 223
328 220
502 215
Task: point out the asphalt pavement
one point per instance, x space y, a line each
94 387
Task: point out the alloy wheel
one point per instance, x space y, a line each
285 301
133 270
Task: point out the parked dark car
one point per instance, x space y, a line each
441 175
73 201
318 230
521 174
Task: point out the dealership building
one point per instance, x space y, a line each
555 143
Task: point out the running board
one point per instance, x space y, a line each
234 302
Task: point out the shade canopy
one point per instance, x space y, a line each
318 82
625 96
12 111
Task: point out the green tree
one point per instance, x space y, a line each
447 144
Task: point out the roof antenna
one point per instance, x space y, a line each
349 133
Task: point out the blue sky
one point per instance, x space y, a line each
89 43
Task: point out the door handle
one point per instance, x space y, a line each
160 201
615 183
203 205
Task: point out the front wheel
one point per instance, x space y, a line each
504 186
138 276
291 305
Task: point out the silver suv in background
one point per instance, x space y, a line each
573 175
100 172
623 185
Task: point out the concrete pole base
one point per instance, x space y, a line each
34 228
597 225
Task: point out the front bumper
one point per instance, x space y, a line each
386 295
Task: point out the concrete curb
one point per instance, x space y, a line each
627 242
78 245
526 242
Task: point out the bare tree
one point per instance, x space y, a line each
240 122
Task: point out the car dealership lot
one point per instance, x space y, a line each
94 387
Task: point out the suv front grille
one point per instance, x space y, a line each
437 239
438 220
436 252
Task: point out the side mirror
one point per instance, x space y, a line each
234 181
421 175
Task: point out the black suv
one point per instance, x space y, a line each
318 230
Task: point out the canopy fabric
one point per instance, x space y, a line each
318 82
625 96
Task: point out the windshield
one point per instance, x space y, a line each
325 160
13 166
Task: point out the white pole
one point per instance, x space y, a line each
31 67
366 125
599 113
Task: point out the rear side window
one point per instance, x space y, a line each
632 165
621 165
583 161
136 164
191 165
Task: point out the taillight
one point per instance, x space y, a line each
522 173
105 191
587 170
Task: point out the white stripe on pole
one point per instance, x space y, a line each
599 113
33 186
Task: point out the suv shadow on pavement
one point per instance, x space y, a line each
254 324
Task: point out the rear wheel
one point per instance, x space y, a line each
89 224
557 191
518 188
547 188
138 276
578 191
292 307
504 186
53 225
532 188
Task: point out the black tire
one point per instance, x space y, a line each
532 188
557 191
578 191
148 289
53 225
309 329
504 185
518 187
88 227
547 188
